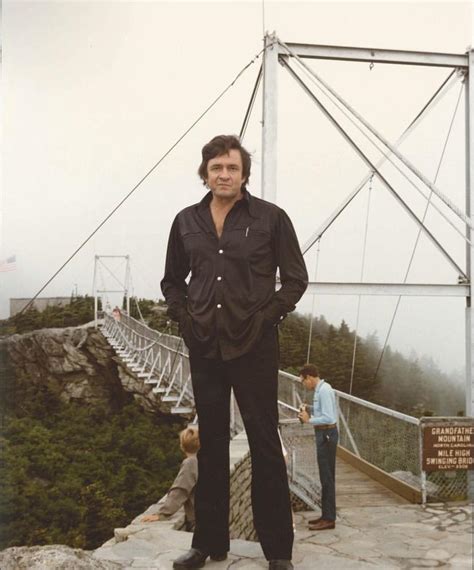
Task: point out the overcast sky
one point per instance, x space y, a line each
96 92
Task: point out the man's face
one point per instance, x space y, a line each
308 382
224 175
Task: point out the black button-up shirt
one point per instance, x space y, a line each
230 297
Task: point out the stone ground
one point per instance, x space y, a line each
373 537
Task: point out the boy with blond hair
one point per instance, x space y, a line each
181 493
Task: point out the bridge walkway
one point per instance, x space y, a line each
356 489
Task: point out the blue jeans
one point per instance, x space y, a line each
326 446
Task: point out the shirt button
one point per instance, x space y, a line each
219 306
219 278
221 251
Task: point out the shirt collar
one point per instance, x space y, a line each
246 199
318 387
204 203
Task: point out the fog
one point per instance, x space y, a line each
95 93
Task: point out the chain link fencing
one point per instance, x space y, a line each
384 438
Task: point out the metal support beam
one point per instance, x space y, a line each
388 289
94 291
370 55
469 92
127 284
393 149
270 119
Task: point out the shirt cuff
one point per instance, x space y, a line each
176 313
272 314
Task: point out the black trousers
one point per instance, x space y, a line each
254 380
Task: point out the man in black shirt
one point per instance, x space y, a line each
232 244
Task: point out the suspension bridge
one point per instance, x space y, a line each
381 442
376 443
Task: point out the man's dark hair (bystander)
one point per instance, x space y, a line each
309 370
223 144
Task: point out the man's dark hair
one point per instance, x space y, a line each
309 370
223 144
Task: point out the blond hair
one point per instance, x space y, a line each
189 440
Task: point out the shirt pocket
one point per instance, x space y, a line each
196 246
258 250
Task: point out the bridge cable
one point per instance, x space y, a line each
173 364
437 96
251 104
139 310
142 273
105 299
241 136
432 99
112 274
362 270
243 129
134 297
387 156
421 223
382 178
173 146
417 239
308 354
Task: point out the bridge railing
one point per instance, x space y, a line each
376 436
384 443
161 360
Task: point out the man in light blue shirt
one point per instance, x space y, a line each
324 419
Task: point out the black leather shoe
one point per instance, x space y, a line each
195 558
280 565
218 557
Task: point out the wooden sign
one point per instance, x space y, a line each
448 444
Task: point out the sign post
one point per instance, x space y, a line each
447 445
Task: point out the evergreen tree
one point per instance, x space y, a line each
70 474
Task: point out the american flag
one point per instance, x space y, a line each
8 264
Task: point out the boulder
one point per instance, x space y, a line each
54 556
78 364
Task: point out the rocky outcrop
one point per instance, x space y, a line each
47 557
78 364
